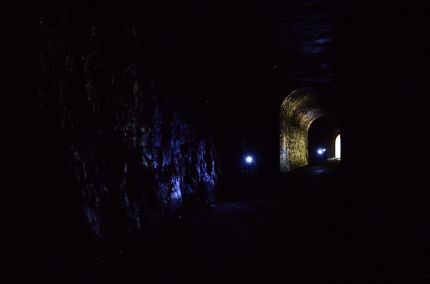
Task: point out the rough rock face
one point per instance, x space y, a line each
133 158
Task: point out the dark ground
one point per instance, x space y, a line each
314 228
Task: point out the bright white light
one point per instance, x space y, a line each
337 147
249 159
321 151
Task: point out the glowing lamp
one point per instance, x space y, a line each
321 151
249 159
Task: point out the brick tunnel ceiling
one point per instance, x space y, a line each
297 113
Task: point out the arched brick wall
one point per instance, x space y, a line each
298 111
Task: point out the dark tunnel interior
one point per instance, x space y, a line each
195 142
322 135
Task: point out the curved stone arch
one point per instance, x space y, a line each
298 110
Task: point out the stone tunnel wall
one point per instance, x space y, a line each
132 157
297 113
294 140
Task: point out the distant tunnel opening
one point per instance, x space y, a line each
337 154
305 124
322 134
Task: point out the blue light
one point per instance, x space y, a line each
249 159
321 151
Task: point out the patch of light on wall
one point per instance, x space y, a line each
337 147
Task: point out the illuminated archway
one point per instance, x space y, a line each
298 111
337 145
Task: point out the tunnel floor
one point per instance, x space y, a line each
310 232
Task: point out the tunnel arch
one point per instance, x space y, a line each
298 111
322 133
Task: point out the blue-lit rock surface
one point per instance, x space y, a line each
130 154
